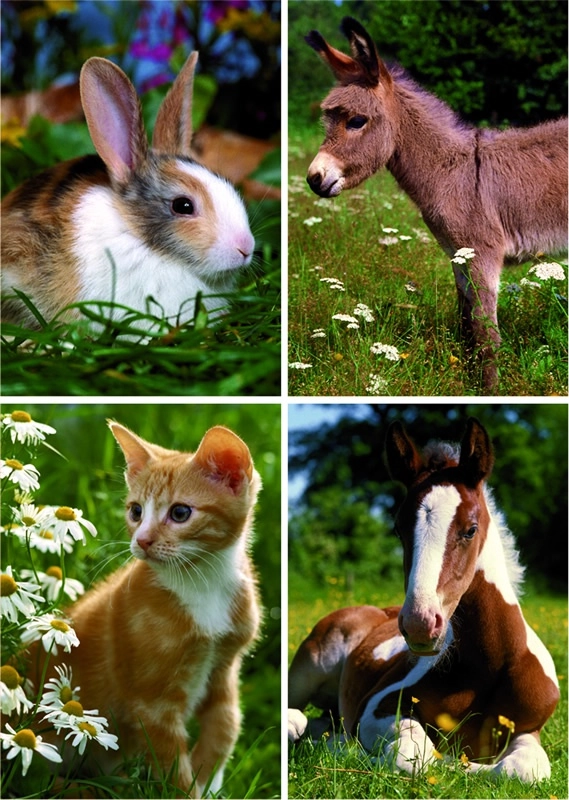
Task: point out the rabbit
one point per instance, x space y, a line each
129 225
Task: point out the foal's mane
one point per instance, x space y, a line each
437 456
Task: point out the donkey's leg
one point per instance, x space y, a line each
477 284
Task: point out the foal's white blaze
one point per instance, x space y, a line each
434 518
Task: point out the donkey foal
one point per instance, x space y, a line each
502 193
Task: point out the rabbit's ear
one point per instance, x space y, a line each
113 116
173 129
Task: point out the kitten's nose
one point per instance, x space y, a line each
144 543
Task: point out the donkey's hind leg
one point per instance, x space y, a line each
477 284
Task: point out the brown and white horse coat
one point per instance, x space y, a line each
458 650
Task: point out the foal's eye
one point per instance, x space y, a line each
180 513
183 205
357 122
135 512
470 533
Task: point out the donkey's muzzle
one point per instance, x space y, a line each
325 176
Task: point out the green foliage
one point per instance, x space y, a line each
89 477
341 462
492 62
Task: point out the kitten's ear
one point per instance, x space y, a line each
136 451
225 457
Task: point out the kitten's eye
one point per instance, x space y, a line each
135 512
183 205
180 513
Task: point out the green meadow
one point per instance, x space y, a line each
317 770
373 306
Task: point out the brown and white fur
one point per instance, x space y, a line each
139 227
162 639
502 193
458 649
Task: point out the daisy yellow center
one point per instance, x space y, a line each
25 738
59 625
20 416
87 728
27 521
10 677
55 572
65 695
73 708
65 513
14 463
45 534
7 585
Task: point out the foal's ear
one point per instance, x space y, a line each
403 459
476 455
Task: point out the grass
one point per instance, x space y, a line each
239 355
315 770
408 285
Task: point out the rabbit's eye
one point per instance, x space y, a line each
182 205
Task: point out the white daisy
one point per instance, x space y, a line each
299 365
83 731
51 582
59 691
52 631
44 540
26 476
69 521
62 716
12 696
27 743
17 596
23 428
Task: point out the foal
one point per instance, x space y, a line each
502 193
458 654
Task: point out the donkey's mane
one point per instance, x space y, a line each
436 108
438 455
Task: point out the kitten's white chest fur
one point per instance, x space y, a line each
207 591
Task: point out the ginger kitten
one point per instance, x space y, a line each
161 640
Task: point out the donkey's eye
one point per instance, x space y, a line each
357 122
470 533
183 205
135 512
180 513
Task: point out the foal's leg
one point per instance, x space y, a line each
400 744
477 283
525 758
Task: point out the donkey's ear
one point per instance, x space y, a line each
173 129
404 461
345 68
476 455
363 48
